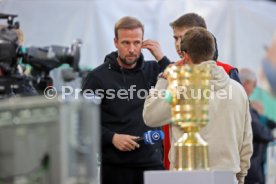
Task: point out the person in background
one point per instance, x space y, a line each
229 136
190 20
265 92
179 27
11 74
261 134
123 159
268 71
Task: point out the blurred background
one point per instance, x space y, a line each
245 31
243 28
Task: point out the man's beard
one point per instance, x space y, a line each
126 62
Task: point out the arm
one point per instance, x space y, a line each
270 123
246 148
163 63
156 110
92 82
121 141
260 132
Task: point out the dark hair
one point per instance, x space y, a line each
199 44
189 20
127 23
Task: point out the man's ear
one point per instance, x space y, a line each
246 84
116 42
186 57
182 54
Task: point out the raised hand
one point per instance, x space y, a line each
154 47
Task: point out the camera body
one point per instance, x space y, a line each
9 44
41 59
44 59
11 82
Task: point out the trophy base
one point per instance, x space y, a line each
191 152
189 177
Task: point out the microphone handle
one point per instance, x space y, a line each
139 139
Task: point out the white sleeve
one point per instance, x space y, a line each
156 110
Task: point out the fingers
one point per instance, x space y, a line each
257 106
133 142
150 44
154 47
130 145
125 142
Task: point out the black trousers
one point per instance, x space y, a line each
113 174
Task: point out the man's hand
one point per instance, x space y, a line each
154 47
125 142
257 106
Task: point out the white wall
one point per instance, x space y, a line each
242 27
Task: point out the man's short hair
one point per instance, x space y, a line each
199 44
189 20
128 23
247 75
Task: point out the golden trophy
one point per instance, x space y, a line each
187 95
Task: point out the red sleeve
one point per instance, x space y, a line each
226 67
167 146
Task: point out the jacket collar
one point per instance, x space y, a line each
111 60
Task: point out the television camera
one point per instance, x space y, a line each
41 59
44 59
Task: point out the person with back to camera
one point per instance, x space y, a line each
179 27
190 20
228 132
123 159
261 134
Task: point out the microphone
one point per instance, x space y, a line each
152 137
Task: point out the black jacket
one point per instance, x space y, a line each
234 74
261 136
124 116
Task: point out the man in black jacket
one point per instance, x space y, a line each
122 82
261 134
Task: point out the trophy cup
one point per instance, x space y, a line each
186 93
